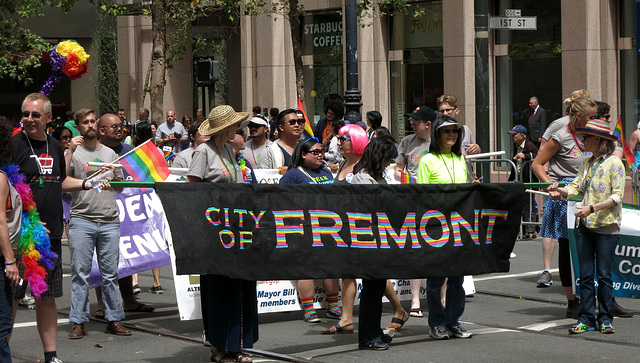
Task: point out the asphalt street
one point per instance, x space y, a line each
512 320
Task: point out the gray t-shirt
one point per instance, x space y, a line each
164 131
252 152
183 160
412 148
364 178
88 204
215 165
566 162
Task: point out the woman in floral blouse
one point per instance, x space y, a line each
600 182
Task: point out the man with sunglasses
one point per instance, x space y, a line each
278 154
41 161
415 146
258 142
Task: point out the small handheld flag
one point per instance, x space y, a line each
145 163
619 133
308 131
406 178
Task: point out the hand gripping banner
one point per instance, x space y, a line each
271 232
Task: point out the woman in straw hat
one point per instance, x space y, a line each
229 306
600 182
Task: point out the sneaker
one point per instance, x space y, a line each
27 300
55 360
607 328
545 280
580 328
439 332
136 289
573 308
334 314
459 332
156 290
312 318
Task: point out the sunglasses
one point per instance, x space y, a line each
65 137
299 121
255 126
34 115
449 131
115 127
317 152
603 116
344 138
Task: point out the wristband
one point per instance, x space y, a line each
10 263
591 209
84 181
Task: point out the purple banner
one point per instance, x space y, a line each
143 230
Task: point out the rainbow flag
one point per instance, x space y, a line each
146 163
308 131
406 178
169 155
619 133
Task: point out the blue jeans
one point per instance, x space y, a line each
85 236
455 301
6 315
600 247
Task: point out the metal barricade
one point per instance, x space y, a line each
499 171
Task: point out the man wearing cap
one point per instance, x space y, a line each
537 121
259 132
171 133
278 154
525 151
414 147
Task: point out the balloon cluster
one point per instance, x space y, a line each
68 58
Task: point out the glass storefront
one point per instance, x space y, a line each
532 67
418 78
322 38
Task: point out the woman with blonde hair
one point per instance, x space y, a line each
564 152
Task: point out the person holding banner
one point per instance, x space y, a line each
306 167
564 153
600 182
229 306
379 154
445 164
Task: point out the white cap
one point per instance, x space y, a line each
255 120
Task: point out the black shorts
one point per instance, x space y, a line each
53 277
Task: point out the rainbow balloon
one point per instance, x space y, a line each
68 58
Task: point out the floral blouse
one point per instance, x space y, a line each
606 182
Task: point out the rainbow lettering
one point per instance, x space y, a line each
356 232
457 221
408 229
492 214
317 230
443 224
282 229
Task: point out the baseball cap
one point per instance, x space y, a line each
424 113
518 129
255 120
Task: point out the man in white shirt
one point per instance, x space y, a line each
259 141
171 133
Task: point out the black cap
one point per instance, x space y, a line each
424 113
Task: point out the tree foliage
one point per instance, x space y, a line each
20 49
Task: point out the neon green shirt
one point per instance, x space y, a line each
442 169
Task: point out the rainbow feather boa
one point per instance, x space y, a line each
34 246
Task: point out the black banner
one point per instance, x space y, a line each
271 232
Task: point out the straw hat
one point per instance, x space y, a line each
220 118
597 128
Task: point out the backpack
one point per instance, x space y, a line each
14 213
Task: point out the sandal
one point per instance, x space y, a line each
349 328
99 313
416 313
217 355
237 357
399 323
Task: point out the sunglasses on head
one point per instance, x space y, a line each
299 121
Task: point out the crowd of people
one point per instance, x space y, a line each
226 146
